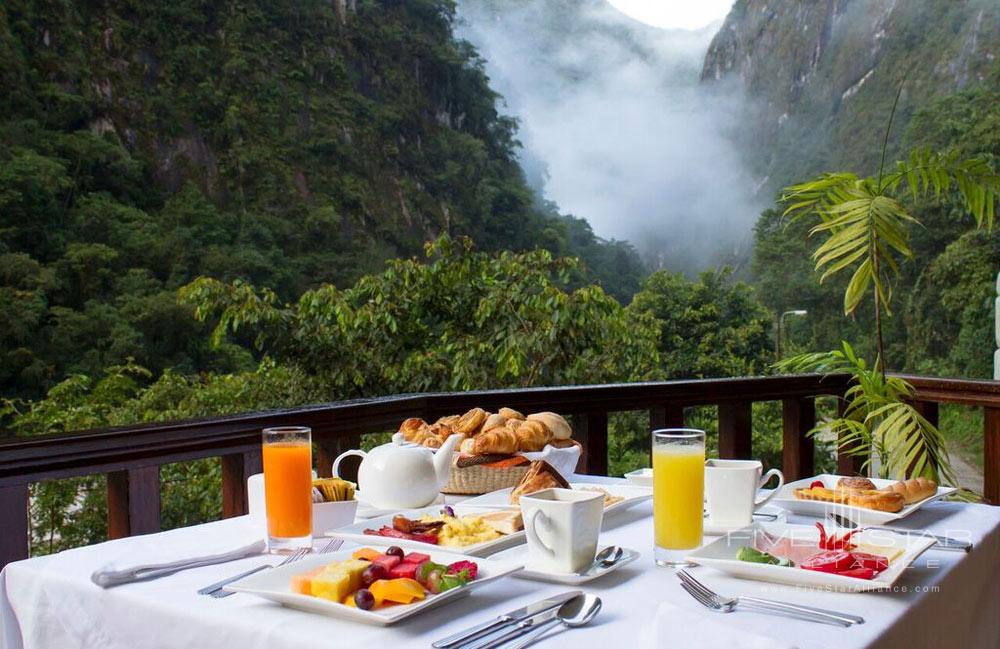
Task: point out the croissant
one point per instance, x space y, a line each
441 431
450 420
532 436
510 413
498 440
412 427
467 445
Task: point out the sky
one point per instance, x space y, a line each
676 14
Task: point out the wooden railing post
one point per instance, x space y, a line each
991 455
735 430
236 469
591 431
669 415
14 514
133 502
846 464
798 417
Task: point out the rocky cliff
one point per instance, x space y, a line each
821 75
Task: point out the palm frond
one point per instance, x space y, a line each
926 172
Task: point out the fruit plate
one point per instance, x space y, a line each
786 499
500 499
520 555
721 555
356 533
275 585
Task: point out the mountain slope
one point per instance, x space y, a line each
289 143
822 75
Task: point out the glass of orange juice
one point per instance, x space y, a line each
287 454
678 493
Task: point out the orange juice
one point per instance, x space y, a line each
678 492
288 488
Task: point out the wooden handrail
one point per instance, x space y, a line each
131 455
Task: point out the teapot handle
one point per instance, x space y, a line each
336 463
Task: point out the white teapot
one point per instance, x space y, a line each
402 476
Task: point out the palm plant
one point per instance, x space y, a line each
865 223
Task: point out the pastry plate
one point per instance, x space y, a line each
721 555
520 555
500 499
786 499
356 533
275 585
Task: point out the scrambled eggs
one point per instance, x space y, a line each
458 532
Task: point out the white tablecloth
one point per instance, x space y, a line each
947 599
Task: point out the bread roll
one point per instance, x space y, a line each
915 489
471 422
556 423
495 420
510 413
498 440
856 482
532 436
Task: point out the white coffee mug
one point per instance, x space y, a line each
562 527
731 489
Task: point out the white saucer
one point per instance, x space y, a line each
718 529
520 553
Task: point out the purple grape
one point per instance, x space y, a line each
373 573
434 581
394 551
448 511
364 599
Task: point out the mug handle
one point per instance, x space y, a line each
774 492
336 463
533 535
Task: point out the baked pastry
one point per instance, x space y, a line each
498 440
410 427
556 423
510 413
883 501
471 422
493 421
565 443
450 420
856 482
915 489
540 475
505 522
441 431
532 436
467 445
431 441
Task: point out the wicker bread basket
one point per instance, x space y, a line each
479 479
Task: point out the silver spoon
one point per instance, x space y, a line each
575 613
608 557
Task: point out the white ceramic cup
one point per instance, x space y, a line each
731 489
562 527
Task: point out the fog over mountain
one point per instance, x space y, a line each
617 129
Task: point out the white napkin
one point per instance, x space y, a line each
158 559
674 626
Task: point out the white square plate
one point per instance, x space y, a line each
500 499
640 477
786 499
275 585
721 555
356 533
520 555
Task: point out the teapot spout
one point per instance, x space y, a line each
442 459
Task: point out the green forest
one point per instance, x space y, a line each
209 208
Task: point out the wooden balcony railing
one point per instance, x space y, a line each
131 456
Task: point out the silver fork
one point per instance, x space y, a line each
728 604
713 605
221 592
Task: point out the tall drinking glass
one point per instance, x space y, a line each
287 453
678 493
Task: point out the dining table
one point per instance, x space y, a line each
945 599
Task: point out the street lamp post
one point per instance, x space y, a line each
781 318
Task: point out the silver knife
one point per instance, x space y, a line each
514 617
